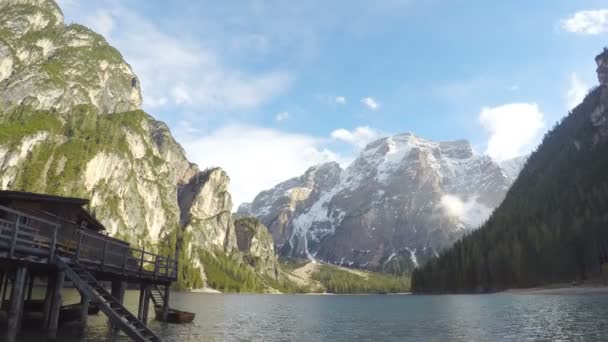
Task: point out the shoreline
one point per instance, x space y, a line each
561 289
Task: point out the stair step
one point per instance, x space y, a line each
134 328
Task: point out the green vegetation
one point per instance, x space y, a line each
551 227
226 274
340 281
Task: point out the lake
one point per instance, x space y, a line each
496 317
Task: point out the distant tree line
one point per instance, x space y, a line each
553 224
340 281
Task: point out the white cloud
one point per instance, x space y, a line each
514 129
340 99
590 22
370 103
257 158
358 137
470 211
282 116
189 72
576 92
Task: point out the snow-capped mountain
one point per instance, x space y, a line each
402 200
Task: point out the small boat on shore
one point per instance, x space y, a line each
175 316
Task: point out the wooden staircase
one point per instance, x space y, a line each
116 312
157 295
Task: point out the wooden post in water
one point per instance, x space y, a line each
16 304
146 306
30 286
84 313
166 303
140 306
48 300
118 292
2 277
56 305
5 289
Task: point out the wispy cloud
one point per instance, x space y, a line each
591 22
358 137
514 129
340 99
176 71
258 158
370 103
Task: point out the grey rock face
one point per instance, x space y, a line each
36 47
404 198
257 246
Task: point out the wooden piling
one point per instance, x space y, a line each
84 314
5 289
166 303
16 304
56 305
48 301
140 305
118 290
30 286
146 306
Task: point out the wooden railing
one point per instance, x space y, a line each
21 231
111 254
31 235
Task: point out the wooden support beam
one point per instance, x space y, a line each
146 306
140 306
5 289
30 286
118 290
48 300
84 314
2 277
16 304
166 303
56 306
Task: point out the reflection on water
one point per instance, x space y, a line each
500 317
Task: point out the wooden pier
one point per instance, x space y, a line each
54 240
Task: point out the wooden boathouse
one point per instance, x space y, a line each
54 240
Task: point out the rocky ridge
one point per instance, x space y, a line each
401 201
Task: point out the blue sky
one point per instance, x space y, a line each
265 89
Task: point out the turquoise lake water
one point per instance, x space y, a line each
496 317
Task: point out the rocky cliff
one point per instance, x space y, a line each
401 201
256 243
70 124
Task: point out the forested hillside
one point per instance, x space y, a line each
553 224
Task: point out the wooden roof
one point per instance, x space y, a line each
31 196
53 199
